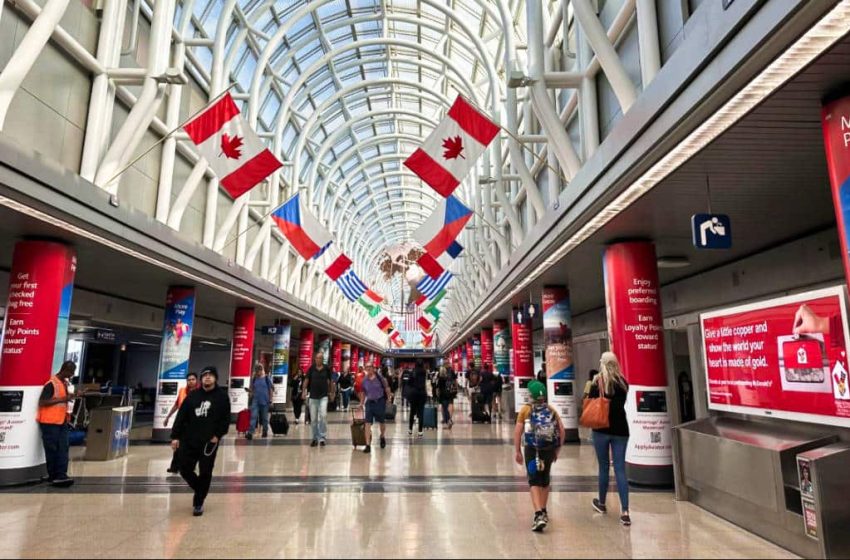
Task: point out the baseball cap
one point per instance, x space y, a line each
537 390
209 370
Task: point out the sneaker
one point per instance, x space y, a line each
197 511
265 434
599 506
249 436
410 433
62 482
367 449
314 443
538 524
625 520
545 517
322 443
383 442
421 434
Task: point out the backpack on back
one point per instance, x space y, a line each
544 431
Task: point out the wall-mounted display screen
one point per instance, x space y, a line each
784 357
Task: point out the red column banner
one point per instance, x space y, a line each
336 355
636 333
41 284
355 358
501 347
470 354
835 122
305 349
487 347
241 354
346 356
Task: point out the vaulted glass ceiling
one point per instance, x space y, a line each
345 90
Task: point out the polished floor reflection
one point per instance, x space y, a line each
453 494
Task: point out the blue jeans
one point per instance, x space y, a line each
617 445
346 396
319 418
55 440
260 412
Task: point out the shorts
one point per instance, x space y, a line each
376 411
540 478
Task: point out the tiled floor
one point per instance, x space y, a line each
454 494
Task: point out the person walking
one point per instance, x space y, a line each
298 396
498 385
262 392
346 387
417 395
446 392
53 419
203 419
540 430
319 385
374 396
191 385
610 443
488 386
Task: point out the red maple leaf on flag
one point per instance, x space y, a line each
453 148
230 146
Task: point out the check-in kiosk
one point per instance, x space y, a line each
774 456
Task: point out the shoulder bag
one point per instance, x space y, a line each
594 414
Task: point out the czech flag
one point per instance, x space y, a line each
439 231
303 231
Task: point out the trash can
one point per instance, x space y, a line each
109 433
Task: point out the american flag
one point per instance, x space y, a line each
411 318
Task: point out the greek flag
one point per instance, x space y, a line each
430 287
352 287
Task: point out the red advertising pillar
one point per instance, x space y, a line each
487 348
241 355
501 347
470 354
377 360
355 358
324 346
523 355
633 300
41 284
835 121
336 355
305 349
346 356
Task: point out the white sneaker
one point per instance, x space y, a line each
421 434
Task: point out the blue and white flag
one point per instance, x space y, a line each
430 287
352 287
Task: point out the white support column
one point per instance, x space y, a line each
102 98
650 50
607 55
24 57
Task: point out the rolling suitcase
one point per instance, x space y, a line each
391 411
358 430
479 414
429 418
279 423
243 421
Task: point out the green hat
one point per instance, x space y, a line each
537 390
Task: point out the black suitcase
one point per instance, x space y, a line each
279 423
479 414
391 411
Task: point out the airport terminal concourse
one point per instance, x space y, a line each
424 278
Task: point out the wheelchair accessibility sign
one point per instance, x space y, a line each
711 231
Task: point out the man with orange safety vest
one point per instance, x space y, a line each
53 417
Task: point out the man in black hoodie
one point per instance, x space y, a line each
203 420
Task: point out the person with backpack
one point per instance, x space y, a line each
446 392
346 387
375 392
610 443
261 392
540 431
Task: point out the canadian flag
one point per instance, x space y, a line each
233 150
452 149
